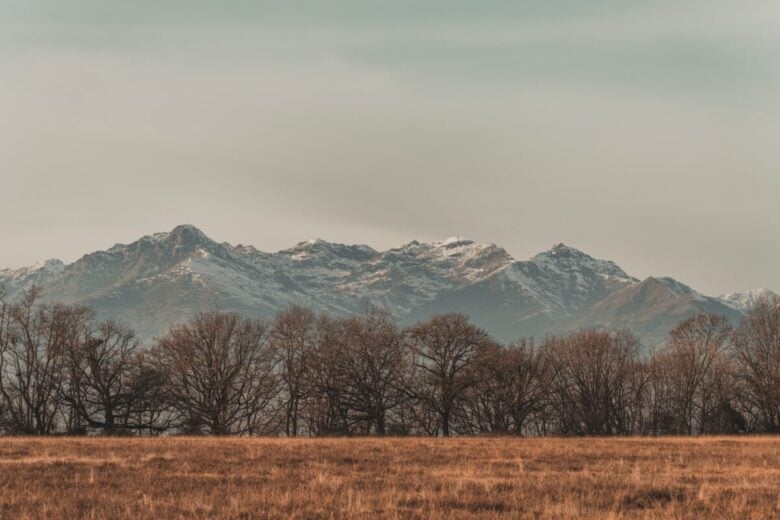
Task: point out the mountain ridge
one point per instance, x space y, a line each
167 277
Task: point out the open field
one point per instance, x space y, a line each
390 478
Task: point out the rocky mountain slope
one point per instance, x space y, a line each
165 278
650 309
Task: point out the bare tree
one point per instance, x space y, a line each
38 336
757 356
446 349
327 410
62 372
486 406
376 367
153 411
294 337
103 381
5 343
693 360
662 394
512 388
597 382
530 379
219 372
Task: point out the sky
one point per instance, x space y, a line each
646 132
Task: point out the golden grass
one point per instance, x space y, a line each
720 477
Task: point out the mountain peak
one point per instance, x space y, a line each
188 231
567 258
744 301
455 245
447 246
186 228
454 241
315 243
677 288
562 249
322 249
181 233
49 268
51 264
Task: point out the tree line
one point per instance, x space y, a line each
62 371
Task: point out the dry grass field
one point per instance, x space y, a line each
390 478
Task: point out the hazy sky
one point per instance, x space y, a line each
647 132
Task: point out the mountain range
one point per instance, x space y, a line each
165 278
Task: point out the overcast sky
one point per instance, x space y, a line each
646 132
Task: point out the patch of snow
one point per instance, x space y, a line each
743 301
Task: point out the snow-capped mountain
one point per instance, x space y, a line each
165 278
534 295
41 274
743 301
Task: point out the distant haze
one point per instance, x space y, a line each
643 132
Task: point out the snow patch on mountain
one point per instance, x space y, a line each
744 300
